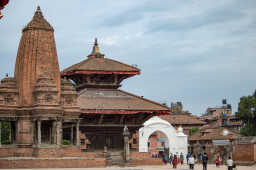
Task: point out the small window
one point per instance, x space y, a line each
134 141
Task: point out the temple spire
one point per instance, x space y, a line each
96 50
36 55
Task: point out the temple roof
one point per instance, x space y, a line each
182 119
97 64
219 133
38 22
113 101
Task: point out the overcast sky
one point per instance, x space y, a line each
194 51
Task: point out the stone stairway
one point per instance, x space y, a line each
117 158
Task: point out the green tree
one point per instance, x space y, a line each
247 113
193 130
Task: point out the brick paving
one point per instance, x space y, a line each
163 167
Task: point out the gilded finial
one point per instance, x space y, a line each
96 49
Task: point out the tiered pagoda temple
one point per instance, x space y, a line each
105 109
48 114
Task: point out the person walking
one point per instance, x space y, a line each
217 161
205 160
165 158
175 162
230 163
191 162
181 158
170 159
187 157
200 156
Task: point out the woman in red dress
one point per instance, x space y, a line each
175 162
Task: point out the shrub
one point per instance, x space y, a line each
66 142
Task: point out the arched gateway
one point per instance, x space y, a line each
177 140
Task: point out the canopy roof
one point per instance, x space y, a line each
114 101
97 64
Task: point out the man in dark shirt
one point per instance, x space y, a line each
205 160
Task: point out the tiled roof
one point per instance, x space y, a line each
182 119
97 62
101 64
113 100
214 134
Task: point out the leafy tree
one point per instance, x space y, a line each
193 130
247 113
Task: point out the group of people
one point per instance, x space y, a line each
175 159
201 158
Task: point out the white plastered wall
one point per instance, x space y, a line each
177 140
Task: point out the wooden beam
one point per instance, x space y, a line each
101 119
108 125
122 119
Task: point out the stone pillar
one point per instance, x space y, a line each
10 134
59 132
77 134
126 135
34 131
72 134
39 132
0 133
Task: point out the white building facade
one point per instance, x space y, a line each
177 141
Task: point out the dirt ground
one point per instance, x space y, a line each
163 167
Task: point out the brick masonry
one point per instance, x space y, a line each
245 153
52 163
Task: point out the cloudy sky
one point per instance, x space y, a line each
194 51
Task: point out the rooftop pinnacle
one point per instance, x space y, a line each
38 22
96 50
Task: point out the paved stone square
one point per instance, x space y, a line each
163 167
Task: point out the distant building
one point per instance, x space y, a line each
176 107
214 141
221 116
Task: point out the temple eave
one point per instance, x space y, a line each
119 111
132 73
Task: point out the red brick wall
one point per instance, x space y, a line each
15 152
69 151
146 162
254 152
58 163
140 155
244 152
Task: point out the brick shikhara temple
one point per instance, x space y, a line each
82 105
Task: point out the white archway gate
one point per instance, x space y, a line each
177 140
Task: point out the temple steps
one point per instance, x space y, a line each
117 158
